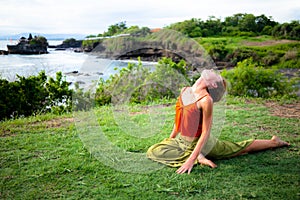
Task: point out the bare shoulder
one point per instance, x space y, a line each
183 89
206 103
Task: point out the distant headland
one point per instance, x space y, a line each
30 45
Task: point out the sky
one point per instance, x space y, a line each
95 16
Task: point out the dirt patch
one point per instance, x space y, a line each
12 130
285 110
54 123
267 43
149 109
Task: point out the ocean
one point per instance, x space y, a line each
83 68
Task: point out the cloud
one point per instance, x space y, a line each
95 16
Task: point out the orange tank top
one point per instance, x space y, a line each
188 118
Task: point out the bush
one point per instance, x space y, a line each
82 100
291 64
166 81
121 85
250 80
241 54
270 59
218 52
291 54
39 41
33 95
58 94
137 84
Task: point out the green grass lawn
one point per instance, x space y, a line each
47 157
235 42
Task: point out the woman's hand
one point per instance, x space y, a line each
204 161
187 166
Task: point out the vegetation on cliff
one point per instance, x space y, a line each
237 37
238 25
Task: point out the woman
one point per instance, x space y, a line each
190 141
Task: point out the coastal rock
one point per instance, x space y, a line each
3 52
69 43
127 48
36 45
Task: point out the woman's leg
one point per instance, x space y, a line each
260 145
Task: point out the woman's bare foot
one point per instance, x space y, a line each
279 142
202 160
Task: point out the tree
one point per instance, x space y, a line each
191 28
136 31
287 30
39 41
234 20
115 29
213 26
247 23
262 21
295 32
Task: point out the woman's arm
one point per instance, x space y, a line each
206 104
174 132
178 111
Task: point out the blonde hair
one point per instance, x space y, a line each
218 92
217 84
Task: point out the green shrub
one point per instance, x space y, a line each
250 80
291 54
291 59
82 100
241 54
58 94
218 52
270 59
33 95
136 84
166 80
120 85
39 41
291 64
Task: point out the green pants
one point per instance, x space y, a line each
175 151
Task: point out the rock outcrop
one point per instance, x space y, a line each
160 44
36 45
70 43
